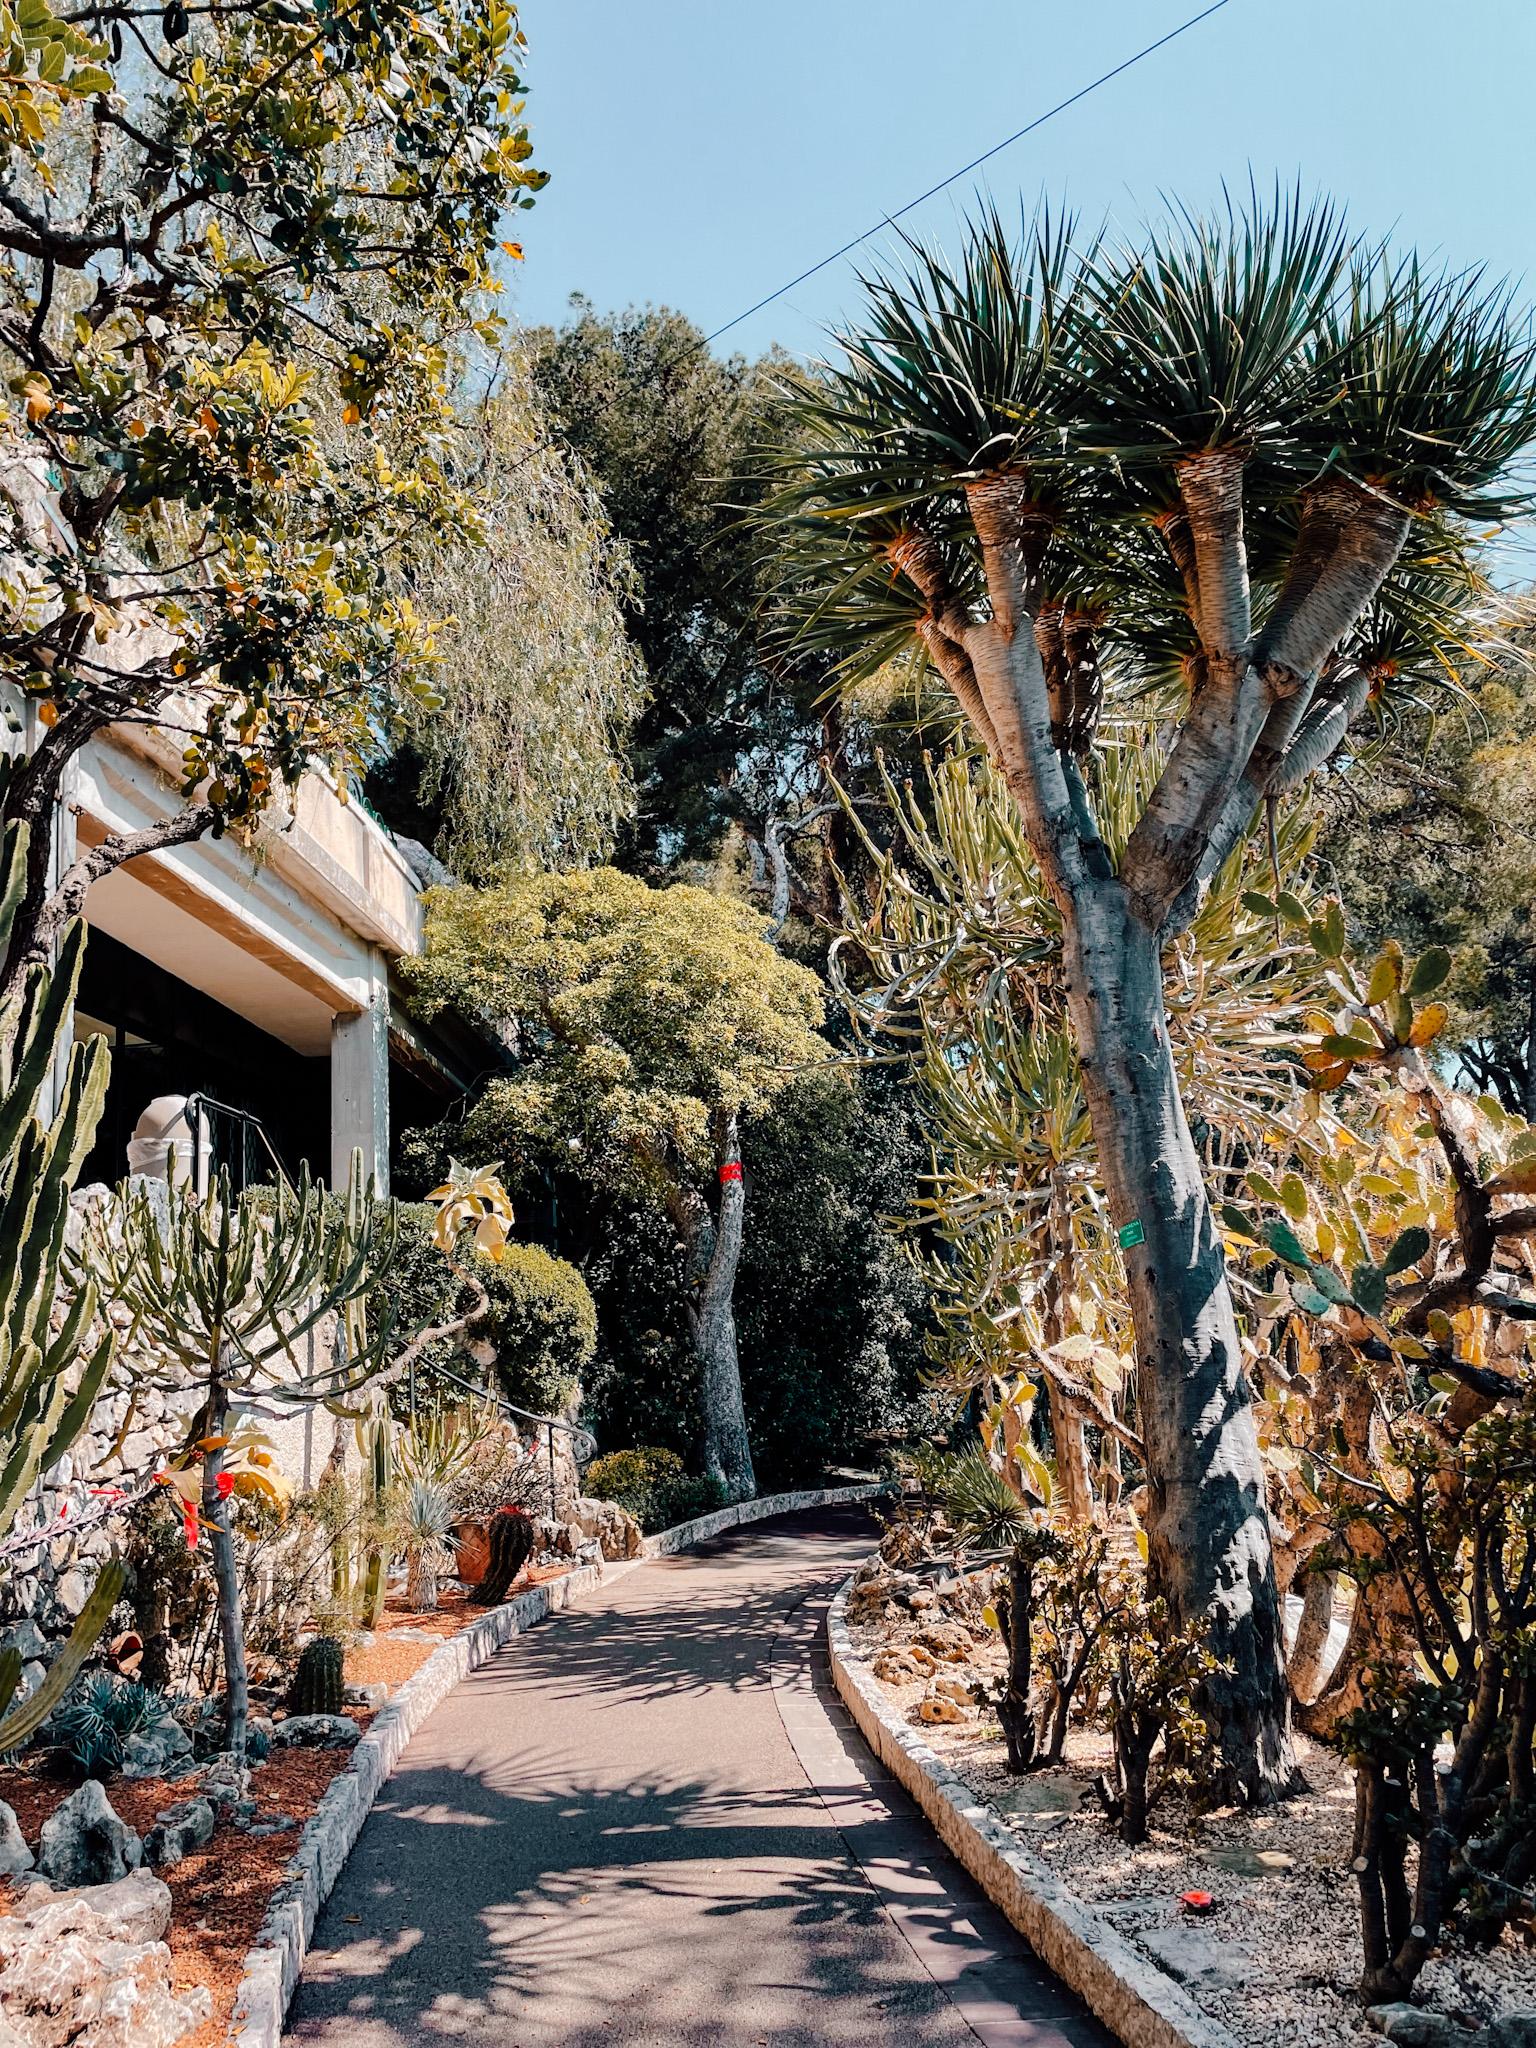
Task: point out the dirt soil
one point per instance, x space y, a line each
391 1661
220 1894
1290 1936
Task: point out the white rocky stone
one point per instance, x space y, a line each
72 1591
88 1969
605 1521
316 1731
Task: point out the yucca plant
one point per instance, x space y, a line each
1189 471
427 1517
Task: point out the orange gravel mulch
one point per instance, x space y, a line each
384 1662
219 1894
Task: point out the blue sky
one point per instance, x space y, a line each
704 151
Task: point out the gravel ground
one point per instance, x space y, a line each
1294 1933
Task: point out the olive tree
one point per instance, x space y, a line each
646 1024
1232 469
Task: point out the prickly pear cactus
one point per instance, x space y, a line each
318 1683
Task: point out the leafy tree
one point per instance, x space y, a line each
237 285
833 1317
648 1024
523 762
1231 469
1439 848
664 428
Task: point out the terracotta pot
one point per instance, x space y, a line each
474 1552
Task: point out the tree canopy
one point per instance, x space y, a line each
241 267
641 1020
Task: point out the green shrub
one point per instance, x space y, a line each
651 1485
541 1320
543 1323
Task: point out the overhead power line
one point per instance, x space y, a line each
975 164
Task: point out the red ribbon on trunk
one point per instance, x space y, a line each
731 1170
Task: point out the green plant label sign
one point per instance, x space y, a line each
1131 1234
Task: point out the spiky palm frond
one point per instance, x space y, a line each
1197 339
1432 388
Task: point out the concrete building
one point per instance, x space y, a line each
259 975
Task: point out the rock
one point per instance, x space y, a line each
87 1968
178 1832
28 1641
72 1592
616 1530
135 1908
946 1639
951 1689
32 1676
1200 1960
1513 2030
226 1780
14 1853
897 1666
1041 1802
84 1842
937 1708
365 1696
155 1752
317 1731
1252 1863
1416 2027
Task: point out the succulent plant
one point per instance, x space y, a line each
318 1684
509 1534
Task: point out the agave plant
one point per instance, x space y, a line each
1191 467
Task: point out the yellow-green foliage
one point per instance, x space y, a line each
642 1016
631 1472
542 1321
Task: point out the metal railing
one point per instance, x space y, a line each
201 1112
583 1442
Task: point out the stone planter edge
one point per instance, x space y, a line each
273 1963
1137 2002
683 1535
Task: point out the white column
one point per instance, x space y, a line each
360 1083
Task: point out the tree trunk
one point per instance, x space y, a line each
715 1253
216 1515
1207 1524
1014 1714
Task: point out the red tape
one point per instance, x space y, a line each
730 1171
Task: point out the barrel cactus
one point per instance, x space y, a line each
318 1682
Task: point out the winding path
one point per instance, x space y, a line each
650 1822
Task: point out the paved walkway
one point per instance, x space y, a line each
649 1822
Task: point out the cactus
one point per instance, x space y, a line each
40 1416
509 1534
318 1683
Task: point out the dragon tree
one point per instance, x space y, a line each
1233 473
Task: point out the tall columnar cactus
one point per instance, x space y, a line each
41 1413
318 1686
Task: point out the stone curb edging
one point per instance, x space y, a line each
1133 1998
683 1535
273 1964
